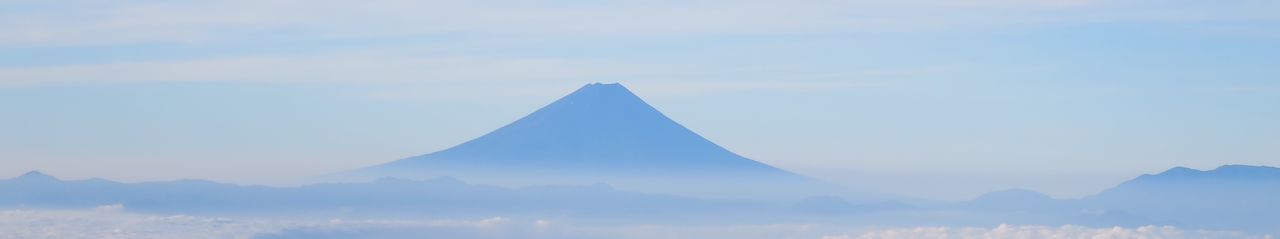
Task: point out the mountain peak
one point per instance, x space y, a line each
604 85
36 176
1014 194
602 93
1241 167
1225 172
1013 199
1176 171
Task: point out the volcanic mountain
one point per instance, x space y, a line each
601 133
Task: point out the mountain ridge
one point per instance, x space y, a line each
1236 204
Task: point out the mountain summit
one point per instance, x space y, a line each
601 133
36 176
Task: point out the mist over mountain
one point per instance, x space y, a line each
438 197
1231 197
602 133
601 155
1015 200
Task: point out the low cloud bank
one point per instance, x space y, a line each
112 221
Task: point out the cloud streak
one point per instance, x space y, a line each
323 68
456 76
481 43
201 22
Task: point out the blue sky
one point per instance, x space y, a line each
943 99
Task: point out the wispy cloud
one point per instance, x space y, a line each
63 23
450 76
506 28
316 68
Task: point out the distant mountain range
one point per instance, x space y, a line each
1226 197
438 197
601 133
1232 197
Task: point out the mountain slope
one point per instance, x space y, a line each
597 127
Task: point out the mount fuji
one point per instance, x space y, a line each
600 133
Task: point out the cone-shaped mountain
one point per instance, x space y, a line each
599 133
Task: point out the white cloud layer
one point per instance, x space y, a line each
111 222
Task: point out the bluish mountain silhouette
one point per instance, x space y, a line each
1228 197
1231 197
35 177
1015 200
599 133
1237 183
